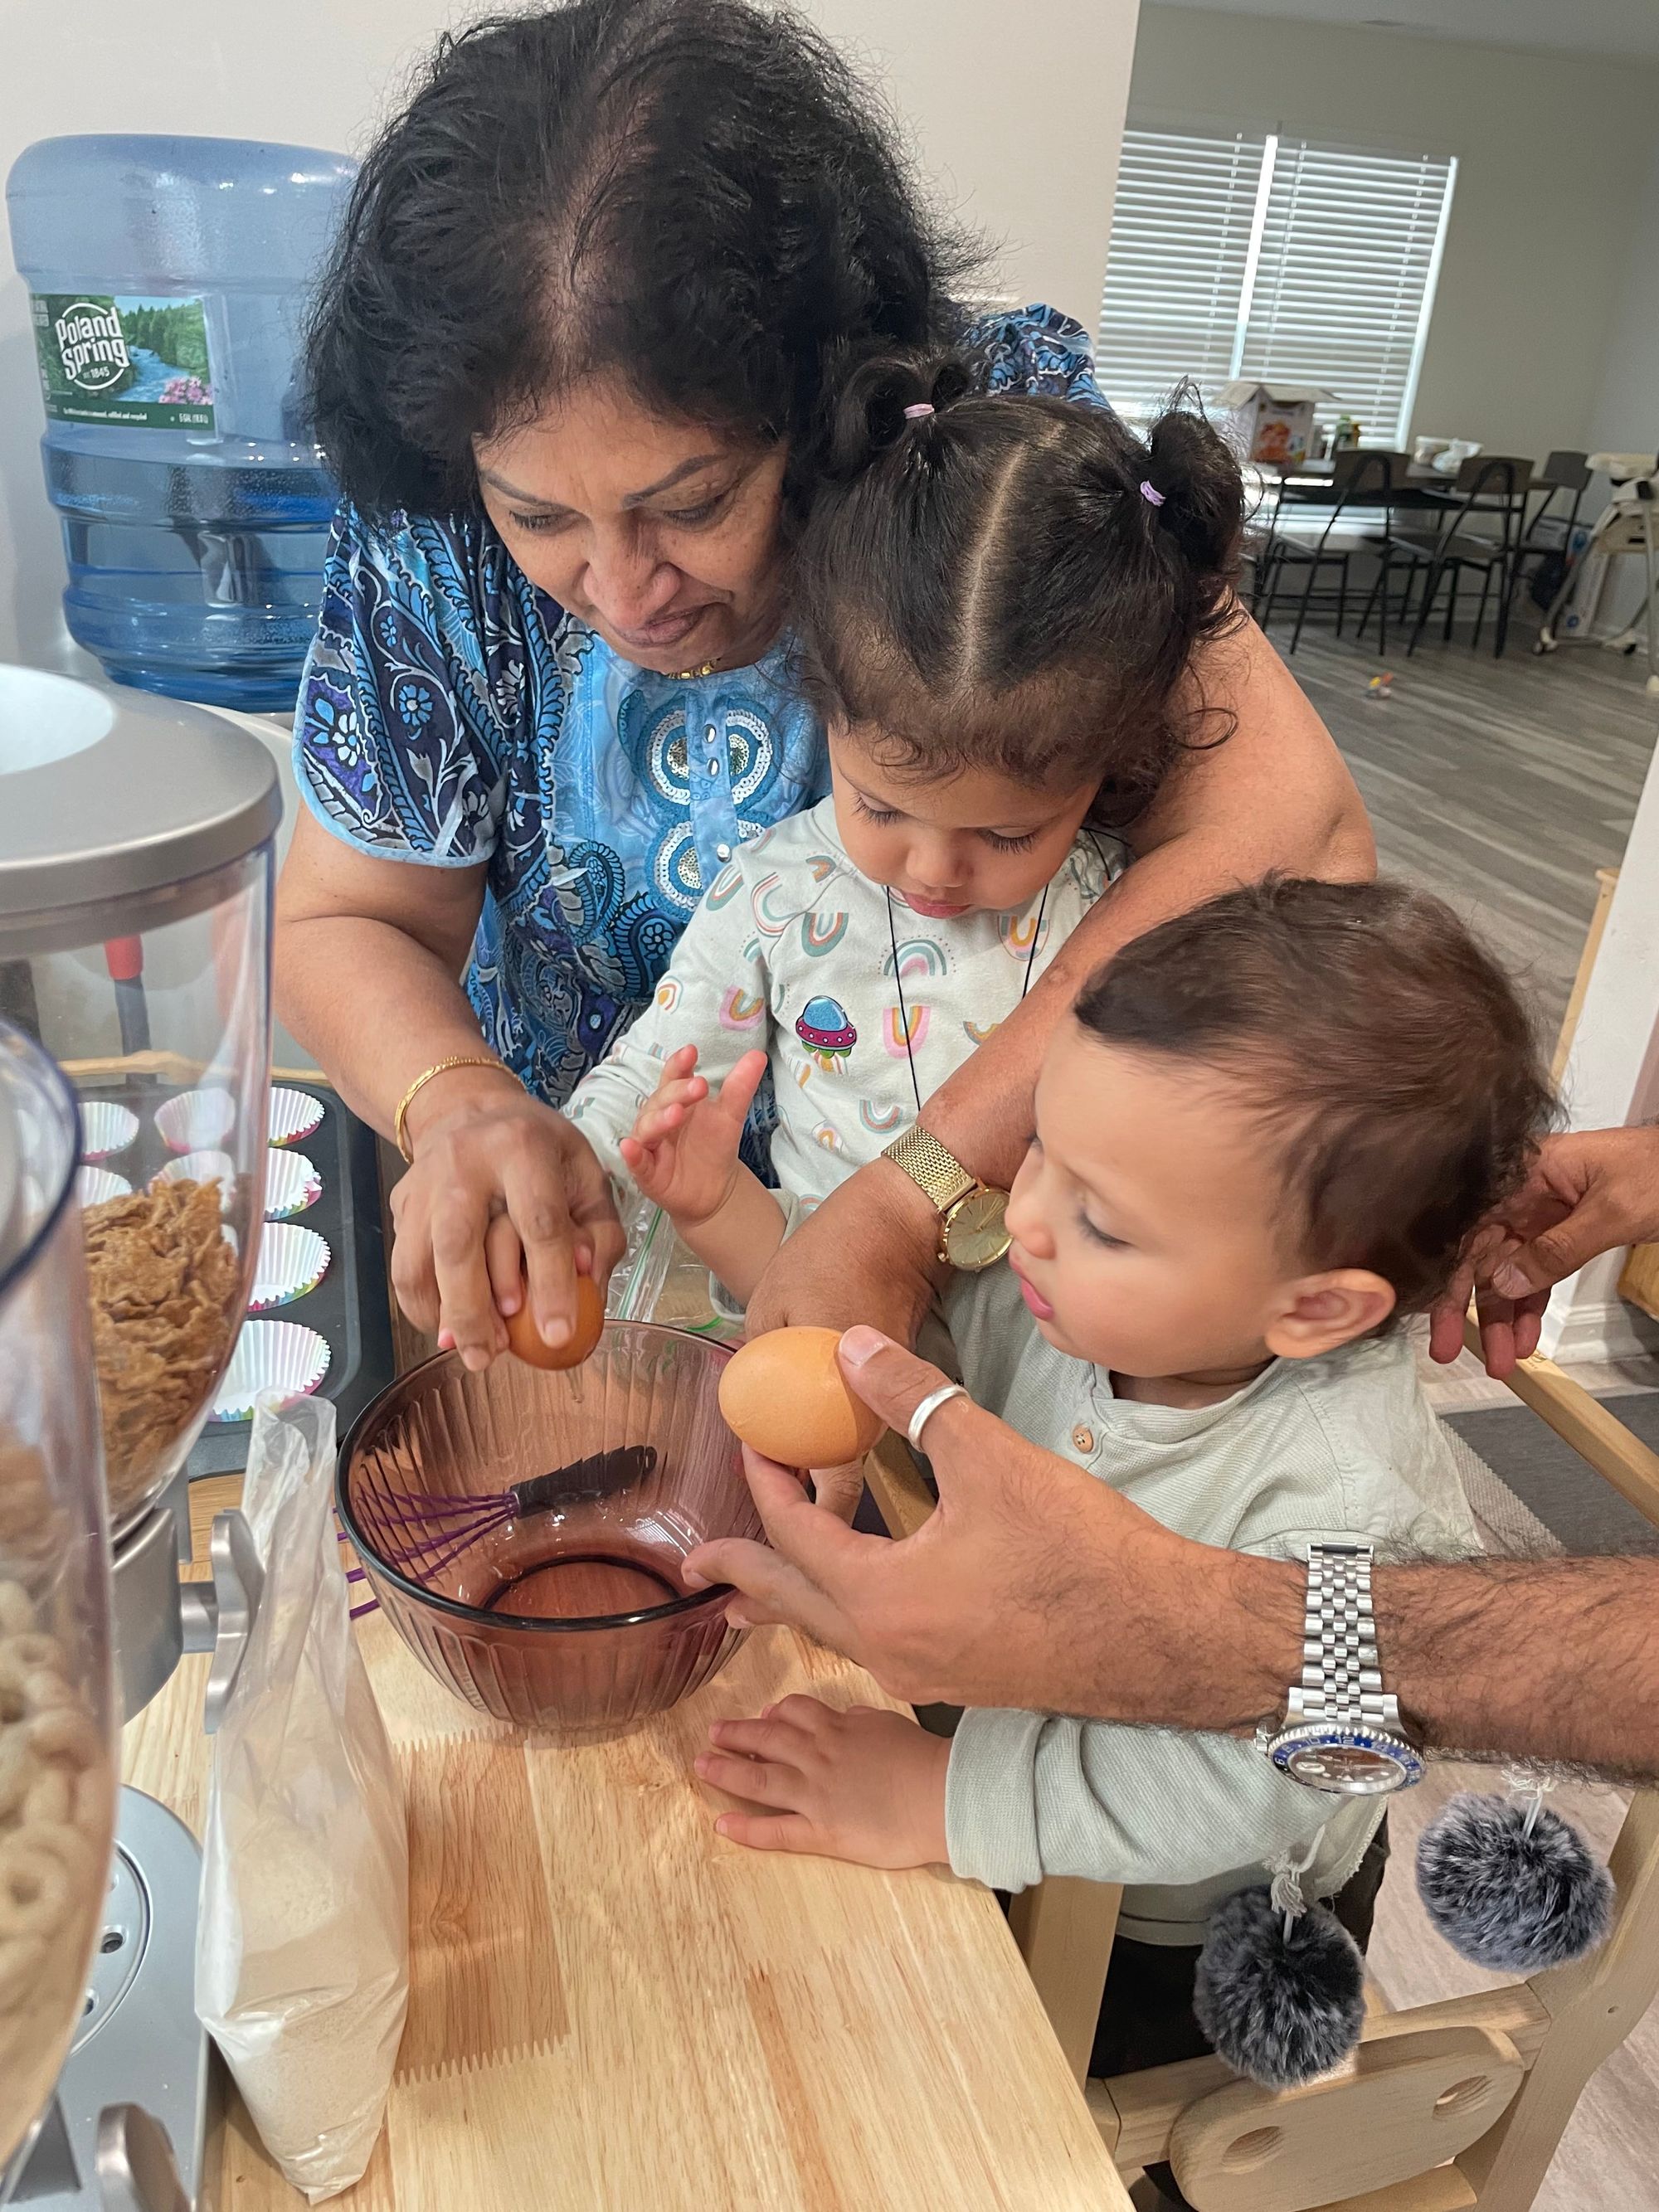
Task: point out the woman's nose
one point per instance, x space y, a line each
627 582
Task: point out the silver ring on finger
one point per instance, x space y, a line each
929 1405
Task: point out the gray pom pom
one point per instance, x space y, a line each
1507 1899
1280 2008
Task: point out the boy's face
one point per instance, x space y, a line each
1149 1224
975 840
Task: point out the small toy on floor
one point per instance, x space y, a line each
1381 687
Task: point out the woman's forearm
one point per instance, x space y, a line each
376 1009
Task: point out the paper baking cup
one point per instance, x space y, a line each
270 1355
105 1128
294 1114
93 1185
202 1167
292 1261
291 1184
197 1121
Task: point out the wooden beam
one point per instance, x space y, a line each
1595 1432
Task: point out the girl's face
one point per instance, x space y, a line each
973 841
1148 1224
660 533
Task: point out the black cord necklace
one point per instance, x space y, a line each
898 980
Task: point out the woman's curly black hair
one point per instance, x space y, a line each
696 195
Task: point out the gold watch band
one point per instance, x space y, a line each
936 1172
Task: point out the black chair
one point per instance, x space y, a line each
1502 480
1361 478
1568 472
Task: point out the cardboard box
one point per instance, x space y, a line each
1272 424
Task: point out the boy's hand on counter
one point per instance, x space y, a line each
682 1151
863 1785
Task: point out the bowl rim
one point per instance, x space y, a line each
476 1615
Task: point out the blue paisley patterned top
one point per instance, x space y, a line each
451 712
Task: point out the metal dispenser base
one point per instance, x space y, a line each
139 2041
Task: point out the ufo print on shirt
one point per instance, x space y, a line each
825 1028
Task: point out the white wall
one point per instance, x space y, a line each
1553 153
1017 119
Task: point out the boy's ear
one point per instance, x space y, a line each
1322 1311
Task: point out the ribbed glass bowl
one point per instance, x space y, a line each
572 1619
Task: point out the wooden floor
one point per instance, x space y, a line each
1502 784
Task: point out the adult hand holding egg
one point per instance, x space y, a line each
784 1395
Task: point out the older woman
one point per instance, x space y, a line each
572 363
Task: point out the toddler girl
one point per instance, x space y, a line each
997 600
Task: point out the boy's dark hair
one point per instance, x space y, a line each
696 195
990 586
1386 1050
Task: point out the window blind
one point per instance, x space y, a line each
1331 283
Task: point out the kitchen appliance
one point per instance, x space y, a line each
135 887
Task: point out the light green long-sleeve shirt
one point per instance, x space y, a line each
1339 1448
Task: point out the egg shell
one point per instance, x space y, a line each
526 1340
783 1394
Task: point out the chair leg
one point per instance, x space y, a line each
1480 617
1430 585
1341 593
1378 590
1276 571
1302 611
1452 574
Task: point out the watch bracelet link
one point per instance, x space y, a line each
936 1172
1342 1680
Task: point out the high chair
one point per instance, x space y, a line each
1456 2106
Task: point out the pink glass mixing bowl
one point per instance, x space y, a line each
565 1613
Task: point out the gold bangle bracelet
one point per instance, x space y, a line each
438 1068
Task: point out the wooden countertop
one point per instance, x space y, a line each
612 2009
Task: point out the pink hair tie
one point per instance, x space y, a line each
915 414
1151 493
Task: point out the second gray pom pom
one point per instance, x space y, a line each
1506 1899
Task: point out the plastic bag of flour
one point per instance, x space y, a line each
302 1942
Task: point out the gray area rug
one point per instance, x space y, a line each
1534 1493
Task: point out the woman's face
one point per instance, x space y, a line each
660 533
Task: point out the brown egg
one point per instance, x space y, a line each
524 1338
783 1394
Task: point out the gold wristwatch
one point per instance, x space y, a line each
972 1234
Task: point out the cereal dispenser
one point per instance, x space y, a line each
135 861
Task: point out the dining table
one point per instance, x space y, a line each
612 2008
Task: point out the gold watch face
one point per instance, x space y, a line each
974 1235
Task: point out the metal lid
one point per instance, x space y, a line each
110 800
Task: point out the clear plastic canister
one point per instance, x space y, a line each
135 945
56 1706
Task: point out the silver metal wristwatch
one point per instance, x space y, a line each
1342 1731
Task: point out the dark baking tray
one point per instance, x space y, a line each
348 1308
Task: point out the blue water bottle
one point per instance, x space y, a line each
169 279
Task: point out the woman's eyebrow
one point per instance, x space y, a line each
629 499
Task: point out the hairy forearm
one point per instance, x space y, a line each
374 1007
1552 1660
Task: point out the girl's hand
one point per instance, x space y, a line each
502 1189
683 1150
863 1784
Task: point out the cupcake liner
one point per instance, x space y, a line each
292 1183
292 1261
282 1356
197 1121
202 1167
294 1114
105 1128
93 1185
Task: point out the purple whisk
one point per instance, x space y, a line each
421 1534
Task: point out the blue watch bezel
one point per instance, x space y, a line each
1305 1735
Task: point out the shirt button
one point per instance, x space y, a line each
711 736
1083 1439
722 852
714 768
